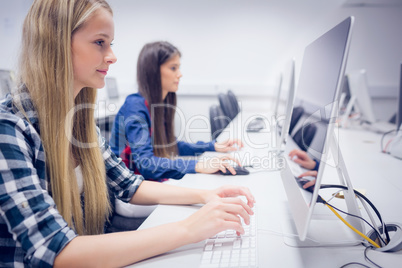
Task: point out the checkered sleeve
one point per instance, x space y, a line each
122 181
29 213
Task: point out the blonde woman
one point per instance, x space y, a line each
56 172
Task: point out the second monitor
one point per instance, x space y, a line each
318 91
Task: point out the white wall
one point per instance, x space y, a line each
12 14
238 44
246 43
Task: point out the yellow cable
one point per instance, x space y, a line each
353 228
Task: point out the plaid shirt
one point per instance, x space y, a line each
32 231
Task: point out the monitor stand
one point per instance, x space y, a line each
377 126
277 141
325 229
344 120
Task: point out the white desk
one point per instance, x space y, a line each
378 173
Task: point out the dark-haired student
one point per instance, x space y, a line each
143 131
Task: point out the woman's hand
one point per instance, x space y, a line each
312 173
301 157
228 146
230 191
214 164
216 216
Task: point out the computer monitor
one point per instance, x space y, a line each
318 91
361 103
359 88
111 88
6 82
399 112
278 96
283 119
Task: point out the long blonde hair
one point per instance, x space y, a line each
46 70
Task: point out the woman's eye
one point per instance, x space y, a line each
173 68
100 42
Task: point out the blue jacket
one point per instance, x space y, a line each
131 139
317 165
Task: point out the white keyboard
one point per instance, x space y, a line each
226 249
295 168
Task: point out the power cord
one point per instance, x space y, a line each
355 263
384 148
368 239
366 258
332 208
326 186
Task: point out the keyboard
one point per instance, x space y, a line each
226 249
382 126
294 167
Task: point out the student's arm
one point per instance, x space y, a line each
120 249
201 147
136 120
186 149
29 219
221 212
150 193
137 123
317 165
301 157
122 181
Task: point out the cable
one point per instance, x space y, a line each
358 263
372 227
365 199
385 230
382 140
383 149
367 258
386 146
351 227
373 221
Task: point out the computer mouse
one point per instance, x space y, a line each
256 125
302 181
239 171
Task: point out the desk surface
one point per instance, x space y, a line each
377 173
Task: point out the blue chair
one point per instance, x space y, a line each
217 120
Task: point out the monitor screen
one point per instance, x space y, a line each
321 76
